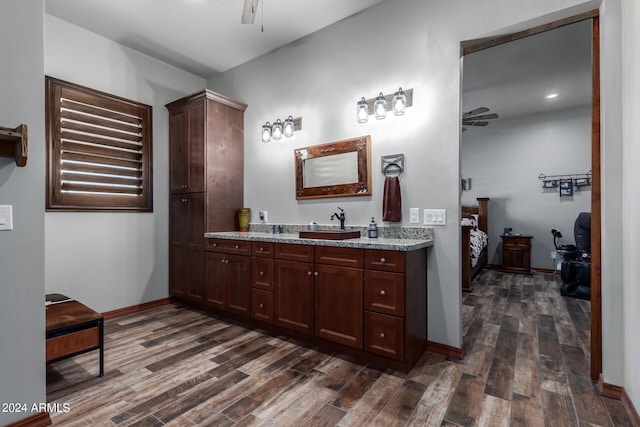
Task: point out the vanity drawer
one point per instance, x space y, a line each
384 292
262 305
384 335
347 257
262 273
384 260
239 247
293 252
263 249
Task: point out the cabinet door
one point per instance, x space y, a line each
294 295
186 148
195 247
215 274
238 284
338 304
178 238
178 151
262 273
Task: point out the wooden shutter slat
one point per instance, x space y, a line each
100 121
67 176
100 151
99 131
91 109
94 139
100 160
100 189
81 167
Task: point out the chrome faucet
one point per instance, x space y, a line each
340 216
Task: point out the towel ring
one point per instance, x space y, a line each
392 165
392 168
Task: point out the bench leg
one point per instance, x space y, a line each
101 333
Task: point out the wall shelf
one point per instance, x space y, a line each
13 143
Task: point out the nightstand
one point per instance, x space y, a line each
516 253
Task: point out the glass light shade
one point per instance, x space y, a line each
399 103
289 127
276 130
266 132
362 111
380 107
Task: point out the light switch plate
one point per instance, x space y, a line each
6 217
414 216
435 217
263 216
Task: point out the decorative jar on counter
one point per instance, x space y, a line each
243 218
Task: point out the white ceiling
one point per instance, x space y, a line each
204 37
512 79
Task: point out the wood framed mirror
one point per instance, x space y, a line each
336 169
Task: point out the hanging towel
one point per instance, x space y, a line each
391 203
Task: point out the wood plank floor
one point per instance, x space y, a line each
526 363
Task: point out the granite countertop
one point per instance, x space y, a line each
404 245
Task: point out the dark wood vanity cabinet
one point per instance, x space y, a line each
372 303
205 182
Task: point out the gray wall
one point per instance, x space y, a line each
113 260
22 375
409 43
504 160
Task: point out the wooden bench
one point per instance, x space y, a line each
72 329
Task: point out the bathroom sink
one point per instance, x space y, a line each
329 234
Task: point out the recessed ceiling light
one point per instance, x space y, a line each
551 96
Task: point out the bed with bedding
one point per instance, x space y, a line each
474 223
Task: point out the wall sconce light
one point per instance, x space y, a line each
278 129
266 132
399 103
378 106
362 111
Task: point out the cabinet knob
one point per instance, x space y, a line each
237 246
382 260
262 273
382 293
261 305
309 273
315 273
214 245
185 186
381 334
221 260
261 250
184 200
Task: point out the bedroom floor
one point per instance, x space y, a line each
526 363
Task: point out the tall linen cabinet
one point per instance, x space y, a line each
206 182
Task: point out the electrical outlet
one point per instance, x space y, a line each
263 216
414 216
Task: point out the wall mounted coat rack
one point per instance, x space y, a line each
13 143
566 182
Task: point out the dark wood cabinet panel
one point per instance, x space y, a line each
263 249
262 273
215 274
227 282
292 252
262 305
186 148
293 295
347 257
338 304
186 246
384 335
377 259
384 292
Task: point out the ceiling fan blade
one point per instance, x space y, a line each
474 123
487 116
249 11
476 111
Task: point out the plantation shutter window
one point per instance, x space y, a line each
99 150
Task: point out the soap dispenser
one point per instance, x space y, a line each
373 229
